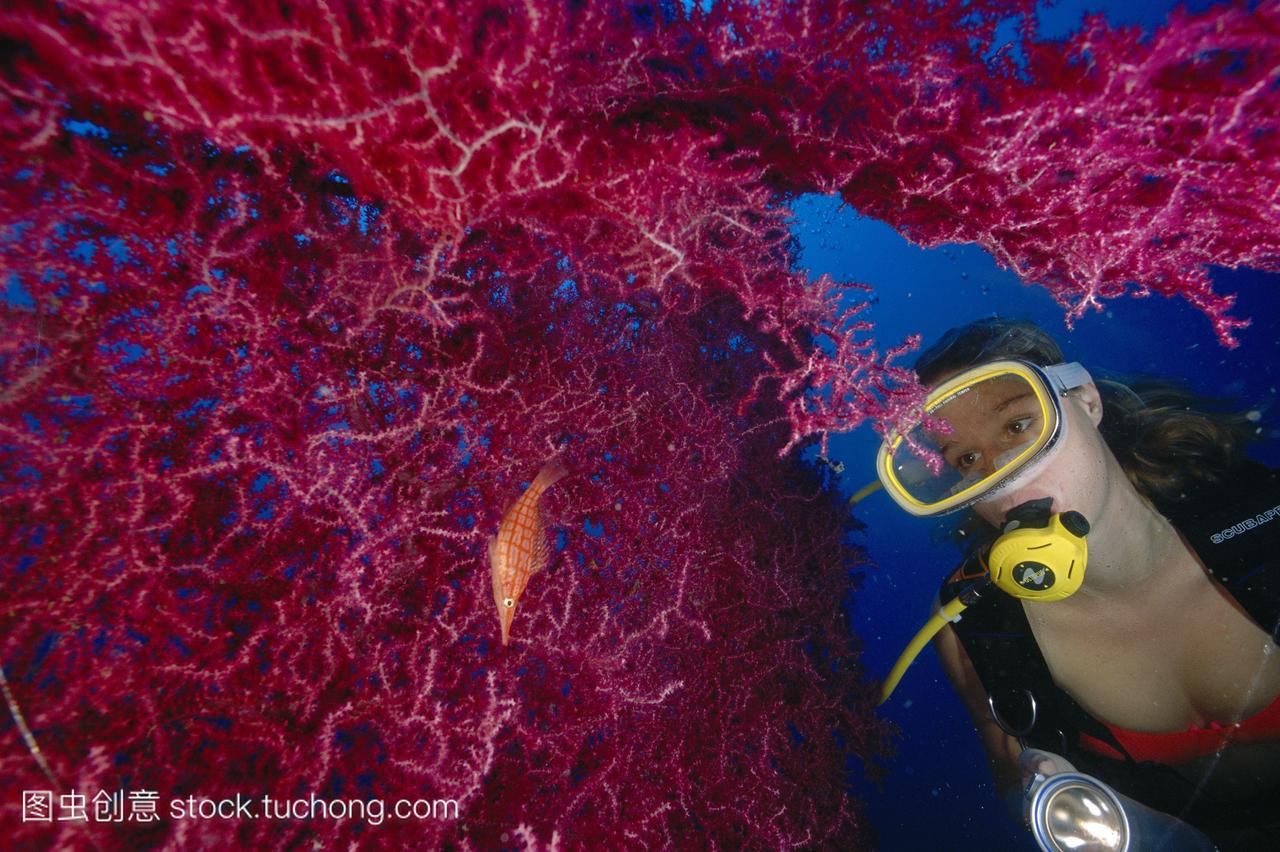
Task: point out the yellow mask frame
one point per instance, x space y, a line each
900 470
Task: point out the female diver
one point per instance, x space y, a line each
1156 669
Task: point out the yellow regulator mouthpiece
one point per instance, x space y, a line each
1039 556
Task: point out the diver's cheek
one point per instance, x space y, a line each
1074 480
1064 480
989 512
1085 483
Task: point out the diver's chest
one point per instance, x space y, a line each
1179 660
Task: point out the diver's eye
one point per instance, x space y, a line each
508 602
966 460
1022 424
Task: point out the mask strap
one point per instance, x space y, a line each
1065 377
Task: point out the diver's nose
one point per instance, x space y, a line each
992 461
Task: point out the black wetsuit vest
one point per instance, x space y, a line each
1235 530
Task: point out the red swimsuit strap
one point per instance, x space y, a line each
1183 746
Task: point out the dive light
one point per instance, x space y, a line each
1069 811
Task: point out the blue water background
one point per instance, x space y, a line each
938 793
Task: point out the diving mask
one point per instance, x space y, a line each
994 427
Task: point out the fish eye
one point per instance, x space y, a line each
508 602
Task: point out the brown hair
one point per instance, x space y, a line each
1166 437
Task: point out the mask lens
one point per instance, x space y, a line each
984 431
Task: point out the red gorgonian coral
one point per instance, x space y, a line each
300 296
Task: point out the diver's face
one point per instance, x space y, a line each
1077 477
992 423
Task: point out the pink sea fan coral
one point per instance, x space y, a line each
1101 166
251 482
299 296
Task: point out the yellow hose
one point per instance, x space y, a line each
864 491
950 611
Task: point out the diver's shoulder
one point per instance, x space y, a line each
1246 484
1233 526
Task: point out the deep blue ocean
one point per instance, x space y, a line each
939 794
